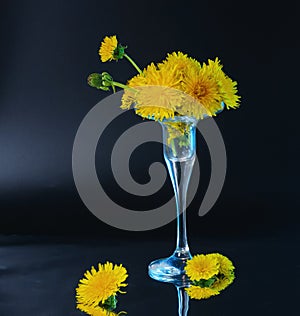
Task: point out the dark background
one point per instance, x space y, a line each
48 48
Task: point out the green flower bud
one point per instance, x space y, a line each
101 81
95 80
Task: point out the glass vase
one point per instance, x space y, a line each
179 148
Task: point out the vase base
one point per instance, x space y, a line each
169 270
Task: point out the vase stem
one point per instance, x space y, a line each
180 172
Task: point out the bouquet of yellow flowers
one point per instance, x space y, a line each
177 86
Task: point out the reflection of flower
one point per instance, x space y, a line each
201 267
107 48
226 275
199 293
209 274
222 282
225 264
99 288
95 310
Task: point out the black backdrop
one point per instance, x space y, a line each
49 47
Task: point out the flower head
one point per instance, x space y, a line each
227 87
202 267
199 293
110 49
154 93
179 62
203 90
98 286
228 90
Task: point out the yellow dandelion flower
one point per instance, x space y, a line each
154 112
203 90
201 267
227 87
127 99
199 293
98 286
152 76
95 310
154 92
107 48
214 67
179 62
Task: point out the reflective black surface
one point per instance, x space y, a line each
39 275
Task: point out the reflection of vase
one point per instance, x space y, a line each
183 301
179 153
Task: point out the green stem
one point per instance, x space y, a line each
133 63
173 147
121 85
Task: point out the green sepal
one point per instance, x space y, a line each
106 78
119 52
110 304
